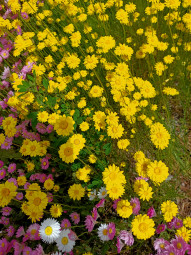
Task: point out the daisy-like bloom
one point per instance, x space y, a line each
76 191
135 203
177 223
111 230
90 62
95 214
44 163
92 194
179 244
184 233
151 212
115 131
6 211
89 223
56 210
169 210
49 184
187 222
115 191
157 171
78 141
2 173
127 237
159 136
11 168
103 232
63 242
124 209
20 232
33 231
113 175
142 167
65 223
64 125
143 227
67 152
160 244
145 192
38 201
10 231
7 192
161 228
49 230
75 217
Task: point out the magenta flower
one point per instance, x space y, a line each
20 232
1 163
3 246
161 228
151 212
4 221
11 168
6 73
127 237
24 15
179 244
89 223
72 236
19 196
75 217
160 244
111 230
50 197
33 231
2 173
4 54
65 224
101 203
27 250
177 223
119 245
7 143
135 203
170 250
10 231
95 214
38 250
44 163
13 180
115 203
49 129
6 211
41 128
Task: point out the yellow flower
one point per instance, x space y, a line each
21 180
7 192
2 138
96 91
78 142
38 201
142 167
76 191
143 227
72 61
84 126
123 143
67 152
159 136
64 125
115 131
145 192
157 171
56 211
184 233
49 184
113 175
124 208
169 210
90 62
115 191
187 222
42 116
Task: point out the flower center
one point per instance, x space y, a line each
179 245
112 176
5 192
33 231
105 232
64 240
110 230
157 170
143 227
33 148
37 201
63 124
48 230
162 246
76 141
68 151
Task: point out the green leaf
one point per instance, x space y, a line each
31 78
33 117
76 114
10 154
107 147
75 166
45 83
51 101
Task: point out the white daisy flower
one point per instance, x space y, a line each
102 193
49 230
92 194
57 253
64 243
103 232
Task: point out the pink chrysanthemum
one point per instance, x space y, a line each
135 203
111 230
20 232
44 163
101 203
19 196
41 128
75 217
11 168
89 223
161 228
180 245
10 231
151 212
33 231
127 237
65 224
95 214
6 211
2 173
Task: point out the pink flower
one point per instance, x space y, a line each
65 224
10 231
151 212
179 244
41 128
13 180
95 214
101 203
135 203
27 250
72 236
12 167
50 197
115 203
33 231
177 223
89 223
2 173
4 54
4 221
75 217
111 230
44 163
119 245
160 245
161 228
7 143
19 196
127 237
6 211
1 163
38 250
20 232
42 178
3 246
49 129
24 15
